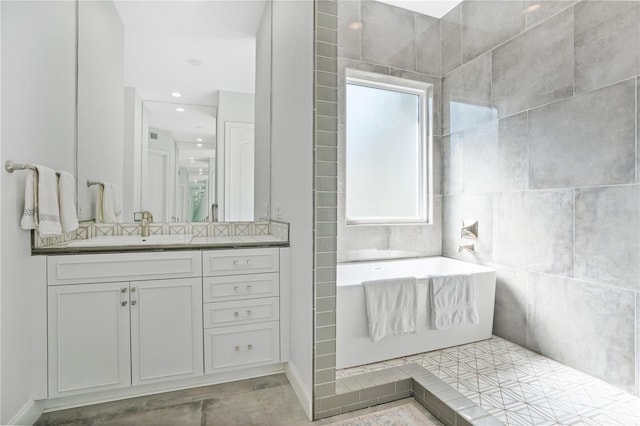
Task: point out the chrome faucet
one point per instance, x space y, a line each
145 218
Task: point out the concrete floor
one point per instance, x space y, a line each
264 401
261 401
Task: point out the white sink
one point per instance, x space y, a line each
133 240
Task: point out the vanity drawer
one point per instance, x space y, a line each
236 287
228 348
241 312
114 267
240 261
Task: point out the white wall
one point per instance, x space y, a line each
232 106
292 167
100 101
38 108
262 163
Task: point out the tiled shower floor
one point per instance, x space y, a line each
520 387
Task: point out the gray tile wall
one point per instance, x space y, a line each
540 115
387 40
325 199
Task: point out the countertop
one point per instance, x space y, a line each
197 243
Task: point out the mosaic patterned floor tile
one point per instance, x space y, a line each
520 387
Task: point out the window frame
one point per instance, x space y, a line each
424 91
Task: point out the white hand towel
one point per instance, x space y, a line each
111 211
48 210
392 307
453 301
29 219
67 197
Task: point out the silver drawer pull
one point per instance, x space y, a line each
248 262
236 289
123 304
249 313
123 290
249 288
236 314
250 347
236 262
237 348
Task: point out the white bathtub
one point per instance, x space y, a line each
354 346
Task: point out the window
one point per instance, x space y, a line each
387 150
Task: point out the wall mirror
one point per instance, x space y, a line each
174 108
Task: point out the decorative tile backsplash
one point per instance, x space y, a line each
209 229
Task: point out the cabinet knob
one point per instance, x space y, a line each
236 262
133 289
123 304
237 348
250 347
133 303
248 262
123 290
236 314
236 289
249 313
249 288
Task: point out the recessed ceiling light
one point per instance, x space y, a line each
176 94
199 140
532 8
355 25
199 145
180 109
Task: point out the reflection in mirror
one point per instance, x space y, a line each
188 85
180 155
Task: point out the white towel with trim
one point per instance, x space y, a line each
453 301
29 218
392 307
41 210
67 200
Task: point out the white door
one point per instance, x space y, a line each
158 184
166 330
239 171
88 338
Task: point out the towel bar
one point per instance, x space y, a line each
11 167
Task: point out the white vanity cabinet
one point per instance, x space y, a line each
241 296
124 324
136 330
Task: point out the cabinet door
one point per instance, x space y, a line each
166 330
88 338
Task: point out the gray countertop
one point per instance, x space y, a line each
197 243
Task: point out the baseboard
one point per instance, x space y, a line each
28 414
299 388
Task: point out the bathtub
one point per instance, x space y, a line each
354 346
